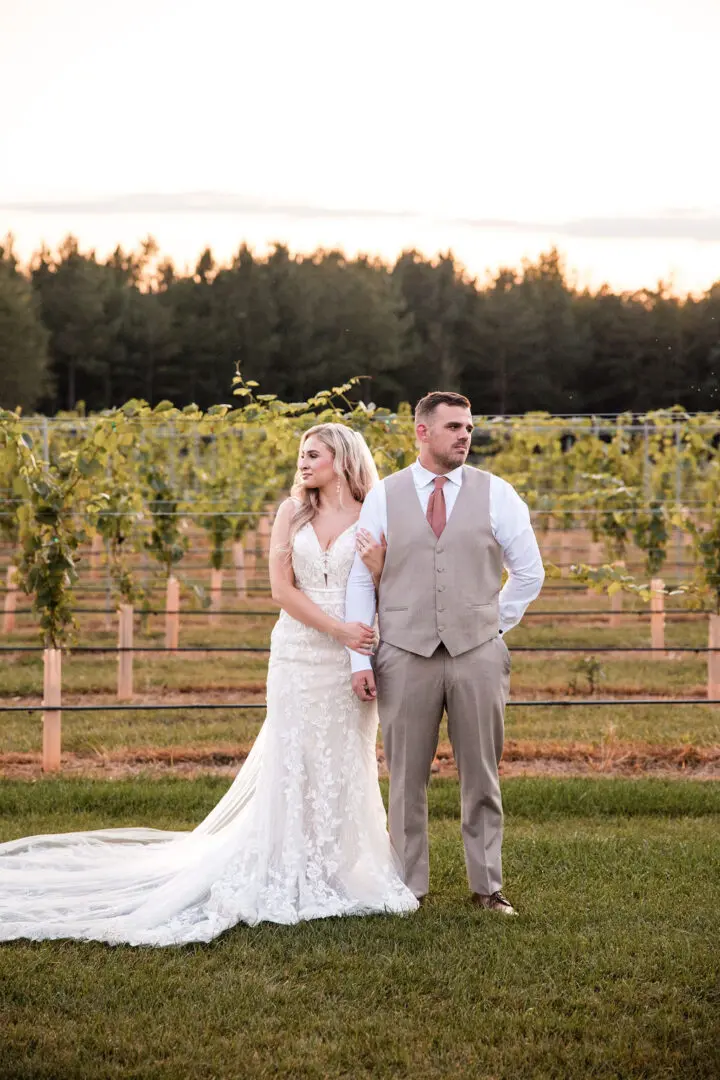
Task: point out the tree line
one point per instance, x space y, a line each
75 328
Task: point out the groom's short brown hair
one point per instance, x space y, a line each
427 405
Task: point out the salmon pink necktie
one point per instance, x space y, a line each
436 513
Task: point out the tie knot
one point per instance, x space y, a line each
439 482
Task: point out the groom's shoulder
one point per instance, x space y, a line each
502 491
477 476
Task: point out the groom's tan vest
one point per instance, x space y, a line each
442 589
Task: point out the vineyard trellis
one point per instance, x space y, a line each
144 482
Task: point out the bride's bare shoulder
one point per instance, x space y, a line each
285 513
288 507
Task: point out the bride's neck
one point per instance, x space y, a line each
331 500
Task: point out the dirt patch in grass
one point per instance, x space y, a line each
521 758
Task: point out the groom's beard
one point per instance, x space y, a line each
453 460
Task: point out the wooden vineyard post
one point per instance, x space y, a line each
52 699
10 600
238 552
216 583
657 615
567 554
713 689
616 605
250 559
108 596
125 659
96 551
172 613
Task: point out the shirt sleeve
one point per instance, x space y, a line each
510 520
360 599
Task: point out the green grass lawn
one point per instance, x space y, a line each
663 724
94 733
610 971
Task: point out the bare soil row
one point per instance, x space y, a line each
520 758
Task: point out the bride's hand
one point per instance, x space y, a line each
356 636
371 553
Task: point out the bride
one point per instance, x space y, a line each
301 833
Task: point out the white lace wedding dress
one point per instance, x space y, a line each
300 834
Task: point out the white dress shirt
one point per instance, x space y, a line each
510 524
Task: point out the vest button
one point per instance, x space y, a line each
439 550
441 609
440 569
440 628
441 588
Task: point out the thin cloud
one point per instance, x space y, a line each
675 224
200 202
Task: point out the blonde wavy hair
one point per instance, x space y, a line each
352 460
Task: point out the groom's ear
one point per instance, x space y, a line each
421 431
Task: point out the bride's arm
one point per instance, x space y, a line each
285 592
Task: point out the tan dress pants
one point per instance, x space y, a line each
413 693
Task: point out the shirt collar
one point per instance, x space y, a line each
423 476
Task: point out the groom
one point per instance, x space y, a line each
450 530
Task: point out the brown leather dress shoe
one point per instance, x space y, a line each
494 902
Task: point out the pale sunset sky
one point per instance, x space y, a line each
494 129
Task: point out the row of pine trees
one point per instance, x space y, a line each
77 328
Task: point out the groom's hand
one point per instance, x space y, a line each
363 684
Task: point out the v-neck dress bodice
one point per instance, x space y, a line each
323 570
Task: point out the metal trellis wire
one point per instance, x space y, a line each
544 703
